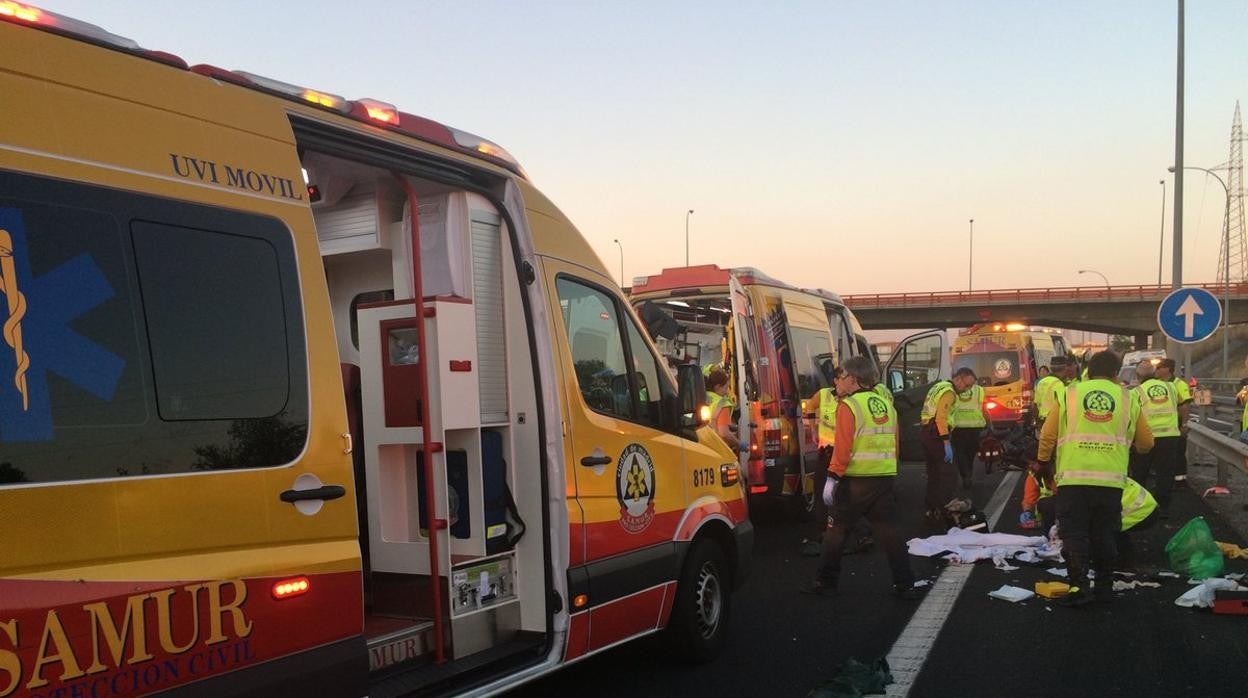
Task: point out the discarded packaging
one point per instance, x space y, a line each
1234 603
1052 590
1057 572
1011 594
1120 585
1232 551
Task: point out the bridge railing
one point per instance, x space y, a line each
1018 296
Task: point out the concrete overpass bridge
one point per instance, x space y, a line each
1126 310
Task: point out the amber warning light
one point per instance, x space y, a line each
288 588
26 13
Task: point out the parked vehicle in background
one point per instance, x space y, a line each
778 344
1005 358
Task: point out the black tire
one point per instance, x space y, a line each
698 627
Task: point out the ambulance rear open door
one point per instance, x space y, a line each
746 386
919 361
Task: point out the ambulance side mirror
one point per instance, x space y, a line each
692 396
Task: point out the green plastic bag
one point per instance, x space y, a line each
1194 552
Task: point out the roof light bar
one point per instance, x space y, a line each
376 110
68 25
321 99
483 146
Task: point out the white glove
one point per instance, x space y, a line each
829 488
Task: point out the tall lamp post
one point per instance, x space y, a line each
970 259
617 241
1226 247
690 213
1106 281
1161 242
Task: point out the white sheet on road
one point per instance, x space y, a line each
1201 595
967 547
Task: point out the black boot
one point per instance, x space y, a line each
1077 571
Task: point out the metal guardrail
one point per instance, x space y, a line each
1214 433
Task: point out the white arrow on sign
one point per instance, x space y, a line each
1189 310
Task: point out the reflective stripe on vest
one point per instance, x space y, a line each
1160 406
874 453
932 399
827 417
1137 504
968 411
1093 442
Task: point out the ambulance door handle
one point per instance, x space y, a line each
595 461
322 493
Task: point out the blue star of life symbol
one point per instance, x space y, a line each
36 338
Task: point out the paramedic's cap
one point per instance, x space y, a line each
1058 362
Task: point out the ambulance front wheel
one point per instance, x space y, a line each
699 620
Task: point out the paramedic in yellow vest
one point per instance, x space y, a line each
860 478
1139 513
721 408
1183 393
1091 431
967 419
1046 389
822 406
934 434
1160 407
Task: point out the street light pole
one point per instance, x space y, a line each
1161 242
1226 247
970 259
690 213
617 241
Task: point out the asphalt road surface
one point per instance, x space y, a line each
783 643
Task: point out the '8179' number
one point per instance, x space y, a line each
703 477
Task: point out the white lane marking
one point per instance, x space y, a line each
909 652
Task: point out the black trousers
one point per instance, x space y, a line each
1089 518
965 442
873 499
1163 463
939 473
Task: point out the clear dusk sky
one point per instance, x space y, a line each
836 144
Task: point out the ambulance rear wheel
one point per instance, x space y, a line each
699 621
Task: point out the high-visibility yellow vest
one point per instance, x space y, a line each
874 453
1182 390
827 417
933 398
1243 419
717 402
1098 420
968 409
1160 407
1046 394
883 391
1137 504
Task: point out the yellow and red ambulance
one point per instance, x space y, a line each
302 394
1006 358
779 345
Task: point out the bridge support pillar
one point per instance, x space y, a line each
1141 341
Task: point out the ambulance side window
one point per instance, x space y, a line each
601 359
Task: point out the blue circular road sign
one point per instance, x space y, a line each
1189 315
